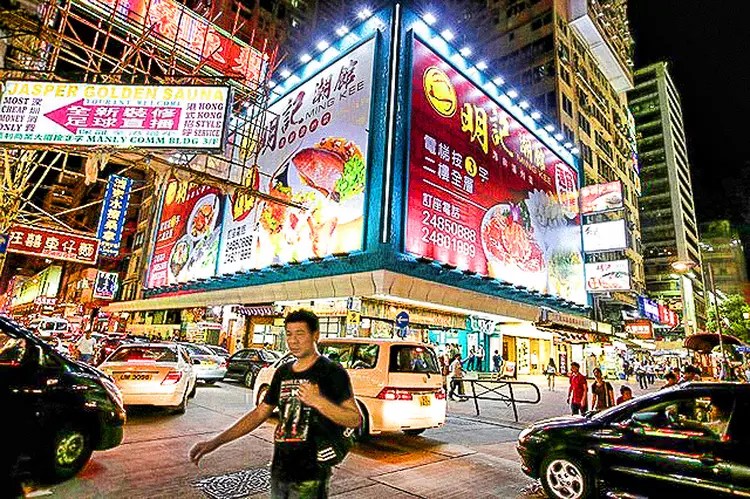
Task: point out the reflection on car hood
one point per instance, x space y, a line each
561 421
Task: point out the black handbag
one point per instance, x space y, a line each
333 449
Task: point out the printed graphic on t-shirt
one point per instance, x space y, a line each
294 416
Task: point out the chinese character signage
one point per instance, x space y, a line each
52 244
642 328
605 236
484 193
105 285
187 238
314 153
176 28
120 116
601 197
112 218
608 276
648 308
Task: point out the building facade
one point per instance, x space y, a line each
722 248
670 231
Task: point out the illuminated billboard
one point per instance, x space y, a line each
608 276
177 29
641 328
187 237
119 116
52 244
605 236
484 194
601 197
105 285
313 154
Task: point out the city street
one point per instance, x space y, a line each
464 457
469 456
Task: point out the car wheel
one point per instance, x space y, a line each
249 379
180 409
71 450
362 433
564 477
209 381
261 395
415 432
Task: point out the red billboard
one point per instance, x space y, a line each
52 244
484 193
187 238
640 328
172 25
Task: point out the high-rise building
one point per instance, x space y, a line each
668 224
572 59
722 248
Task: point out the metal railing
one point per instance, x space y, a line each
491 389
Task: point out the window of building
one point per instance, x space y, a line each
565 75
567 105
583 124
568 133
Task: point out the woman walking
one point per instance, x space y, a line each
551 372
602 393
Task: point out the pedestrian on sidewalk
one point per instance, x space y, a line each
479 359
472 359
602 393
625 394
551 372
316 410
577 392
86 347
640 375
457 374
651 373
497 362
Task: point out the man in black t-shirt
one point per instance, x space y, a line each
315 401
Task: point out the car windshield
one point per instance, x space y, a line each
413 359
144 354
194 350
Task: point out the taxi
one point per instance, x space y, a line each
158 374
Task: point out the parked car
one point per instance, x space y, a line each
245 364
397 384
217 350
159 374
210 367
57 410
688 440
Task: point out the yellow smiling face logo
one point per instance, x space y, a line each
440 92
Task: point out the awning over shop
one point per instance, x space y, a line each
383 284
705 342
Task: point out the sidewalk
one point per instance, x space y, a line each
552 404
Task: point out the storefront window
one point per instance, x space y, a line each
330 327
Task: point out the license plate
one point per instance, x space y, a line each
135 377
425 400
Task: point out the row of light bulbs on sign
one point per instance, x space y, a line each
324 47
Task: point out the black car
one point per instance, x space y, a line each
244 364
55 411
690 440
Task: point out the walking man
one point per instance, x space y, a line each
577 393
315 401
86 347
497 362
457 375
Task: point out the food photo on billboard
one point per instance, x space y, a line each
599 198
187 238
313 155
484 193
608 276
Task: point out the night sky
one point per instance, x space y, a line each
708 47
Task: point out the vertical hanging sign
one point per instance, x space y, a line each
114 209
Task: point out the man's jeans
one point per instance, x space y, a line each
312 489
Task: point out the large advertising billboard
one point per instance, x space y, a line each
484 193
112 217
187 238
105 285
599 198
605 236
119 116
313 154
608 276
176 28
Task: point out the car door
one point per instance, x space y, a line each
237 365
667 447
737 455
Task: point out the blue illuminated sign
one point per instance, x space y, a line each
114 209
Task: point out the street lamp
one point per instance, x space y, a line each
683 268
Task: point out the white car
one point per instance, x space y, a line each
210 367
159 374
397 384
